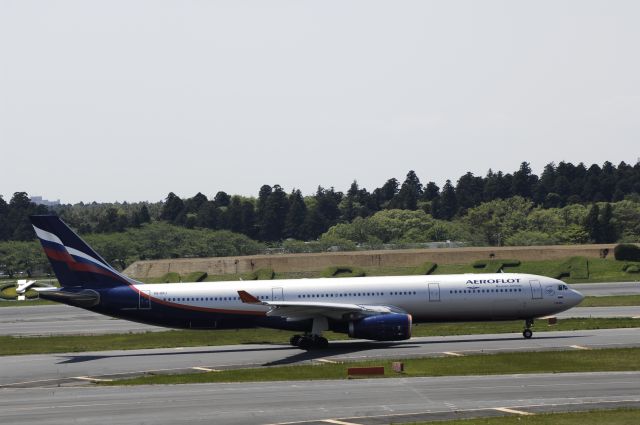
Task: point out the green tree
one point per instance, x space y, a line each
173 206
431 191
296 215
410 192
469 192
607 229
248 219
222 199
592 224
497 220
274 215
448 205
233 215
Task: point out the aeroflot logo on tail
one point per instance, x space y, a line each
476 281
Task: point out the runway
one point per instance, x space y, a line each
361 402
607 289
75 368
65 320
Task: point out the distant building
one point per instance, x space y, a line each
38 200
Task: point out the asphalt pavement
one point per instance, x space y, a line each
360 402
77 368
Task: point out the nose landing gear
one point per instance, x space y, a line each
527 333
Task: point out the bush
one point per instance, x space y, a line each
262 274
343 271
195 277
631 268
8 292
171 277
574 267
495 266
425 268
627 252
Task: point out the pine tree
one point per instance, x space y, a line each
295 216
222 199
431 191
448 205
274 215
410 192
233 215
172 207
607 230
248 219
592 224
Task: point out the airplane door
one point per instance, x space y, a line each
144 300
434 292
536 289
276 294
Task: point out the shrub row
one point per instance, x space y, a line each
262 274
631 268
627 252
495 266
343 271
425 268
195 277
574 267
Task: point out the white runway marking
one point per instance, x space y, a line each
205 369
337 422
517 412
580 347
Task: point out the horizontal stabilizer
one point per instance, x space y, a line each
84 298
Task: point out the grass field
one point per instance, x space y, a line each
611 301
186 338
600 270
606 360
593 417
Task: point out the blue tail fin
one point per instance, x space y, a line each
73 261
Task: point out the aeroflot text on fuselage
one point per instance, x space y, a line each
477 281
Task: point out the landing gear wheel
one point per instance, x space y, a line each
311 342
320 342
295 340
527 333
305 343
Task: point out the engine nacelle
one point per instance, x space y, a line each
382 327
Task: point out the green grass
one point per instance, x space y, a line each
600 270
592 417
606 360
10 345
611 301
6 303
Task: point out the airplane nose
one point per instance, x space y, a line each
578 297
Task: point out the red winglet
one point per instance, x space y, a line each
247 298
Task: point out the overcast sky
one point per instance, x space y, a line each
129 100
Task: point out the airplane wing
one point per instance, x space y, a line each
300 310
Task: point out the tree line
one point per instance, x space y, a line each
275 215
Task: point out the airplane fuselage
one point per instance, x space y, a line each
437 298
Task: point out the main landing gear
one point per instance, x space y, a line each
312 340
527 333
309 342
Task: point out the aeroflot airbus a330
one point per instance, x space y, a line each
375 308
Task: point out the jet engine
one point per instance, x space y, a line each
382 327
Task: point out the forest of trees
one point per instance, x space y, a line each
566 204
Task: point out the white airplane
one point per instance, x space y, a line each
374 308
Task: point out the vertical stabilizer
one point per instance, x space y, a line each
73 261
